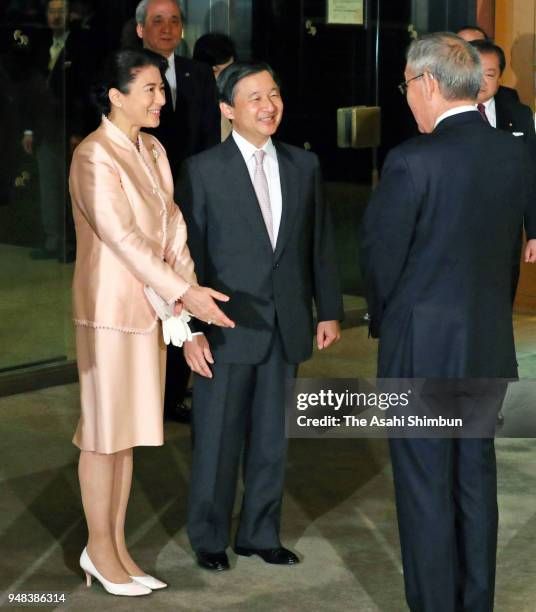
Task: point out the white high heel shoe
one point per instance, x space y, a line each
129 589
150 581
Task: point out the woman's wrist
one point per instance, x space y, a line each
179 297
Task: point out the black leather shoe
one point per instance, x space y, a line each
178 412
216 562
277 556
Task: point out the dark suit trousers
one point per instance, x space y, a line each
446 497
241 409
177 377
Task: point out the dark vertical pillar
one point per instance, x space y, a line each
451 15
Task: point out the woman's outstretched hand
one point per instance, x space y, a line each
199 301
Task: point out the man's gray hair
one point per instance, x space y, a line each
141 11
454 63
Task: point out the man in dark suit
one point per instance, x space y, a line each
504 113
190 120
189 124
472 33
257 226
438 239
56 115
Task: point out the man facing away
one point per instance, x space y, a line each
438 240
189 124
258 226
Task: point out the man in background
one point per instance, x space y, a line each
190 120
503 113
472 32
189 124
217 51
56 115
469 33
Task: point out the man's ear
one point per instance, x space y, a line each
431 85
227 111
139 30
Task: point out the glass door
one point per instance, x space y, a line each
36 233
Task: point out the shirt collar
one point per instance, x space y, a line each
248 150
457 110
490 104
171 60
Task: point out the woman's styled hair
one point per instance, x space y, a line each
120 70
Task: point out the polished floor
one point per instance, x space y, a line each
339 514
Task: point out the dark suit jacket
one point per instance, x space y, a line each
507 93
56 104
438 241
512 116
194 125
232 252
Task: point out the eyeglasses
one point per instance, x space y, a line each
403 87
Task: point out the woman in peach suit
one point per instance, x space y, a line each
129 234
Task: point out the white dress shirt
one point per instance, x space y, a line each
457 110
270 166
58 44
171 78
491 114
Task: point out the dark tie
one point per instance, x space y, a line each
482 110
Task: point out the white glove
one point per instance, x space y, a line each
176 329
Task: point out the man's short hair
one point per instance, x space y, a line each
454 63
488 46
229 78
141 11
476 28
214 48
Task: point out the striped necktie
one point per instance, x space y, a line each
482 110
260 184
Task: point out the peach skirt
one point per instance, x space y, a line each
121 389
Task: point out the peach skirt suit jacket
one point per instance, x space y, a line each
129 234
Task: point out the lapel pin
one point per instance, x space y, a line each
186 74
